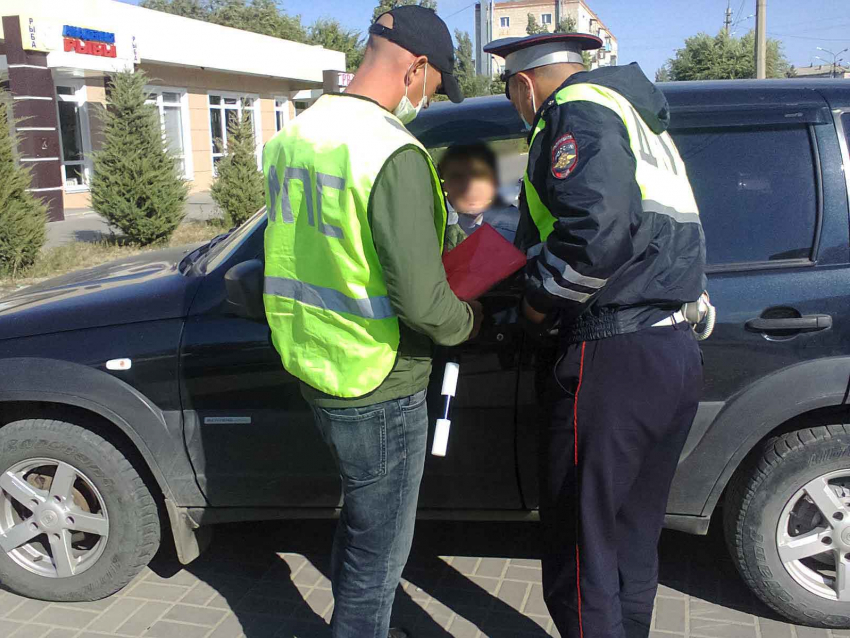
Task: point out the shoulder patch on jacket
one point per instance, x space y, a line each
564 156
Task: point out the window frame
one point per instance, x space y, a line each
504 22
543 17
188 163
80 98
283 109
843 141
239 97
776 264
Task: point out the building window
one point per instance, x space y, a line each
225 110
505 23
173 108
546 18
281 112
74 136
300 106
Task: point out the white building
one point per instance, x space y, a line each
59 54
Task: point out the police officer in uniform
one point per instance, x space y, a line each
356 295
611 225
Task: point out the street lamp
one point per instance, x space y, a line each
834 57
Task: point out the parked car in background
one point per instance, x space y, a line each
144 398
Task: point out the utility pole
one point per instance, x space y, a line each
761 39
728 21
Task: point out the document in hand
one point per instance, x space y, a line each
480 262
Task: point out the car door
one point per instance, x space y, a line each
251 435
777 251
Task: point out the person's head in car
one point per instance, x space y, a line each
471 177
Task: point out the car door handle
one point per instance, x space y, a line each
806 323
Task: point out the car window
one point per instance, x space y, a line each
221 251
512 155
756 191
845 120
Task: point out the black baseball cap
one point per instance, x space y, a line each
422 32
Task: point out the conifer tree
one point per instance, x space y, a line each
136 186
22 214
238 188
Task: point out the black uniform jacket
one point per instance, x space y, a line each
639 266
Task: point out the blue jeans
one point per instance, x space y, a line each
380 451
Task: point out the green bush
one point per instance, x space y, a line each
238 188
136 186
22 215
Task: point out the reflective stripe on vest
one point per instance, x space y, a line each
326 300
660 172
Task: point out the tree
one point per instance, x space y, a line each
136 186
22 215
387 5
195 9
566 25
724 57
257 16
238 188
332 35
533 28
470 82
662 75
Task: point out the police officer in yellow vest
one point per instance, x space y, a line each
356 295
617 248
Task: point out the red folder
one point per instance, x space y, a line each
480 262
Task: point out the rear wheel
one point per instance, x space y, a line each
787 520
77 522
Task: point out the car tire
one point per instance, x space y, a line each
94 488
775 526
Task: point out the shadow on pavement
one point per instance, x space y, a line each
700 566
274 576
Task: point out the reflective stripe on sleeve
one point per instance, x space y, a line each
569 274
328 298
554 288
651 206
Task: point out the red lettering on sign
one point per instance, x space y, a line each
91 48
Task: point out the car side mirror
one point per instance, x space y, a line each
244 286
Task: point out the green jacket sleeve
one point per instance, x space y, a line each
402 219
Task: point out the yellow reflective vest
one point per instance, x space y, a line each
660 172
325 297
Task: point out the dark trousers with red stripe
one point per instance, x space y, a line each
619 412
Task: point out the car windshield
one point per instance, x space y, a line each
222 249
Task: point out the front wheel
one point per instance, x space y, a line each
77 522
787 520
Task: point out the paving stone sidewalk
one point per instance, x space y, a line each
270 580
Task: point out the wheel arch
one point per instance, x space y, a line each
790 398
46 388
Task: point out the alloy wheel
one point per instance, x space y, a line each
53 520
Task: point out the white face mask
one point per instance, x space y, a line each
405 111
534 108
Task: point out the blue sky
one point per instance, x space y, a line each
649 31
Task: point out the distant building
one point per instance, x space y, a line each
494 20
822 71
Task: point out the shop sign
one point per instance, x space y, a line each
89 41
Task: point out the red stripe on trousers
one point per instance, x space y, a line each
575 462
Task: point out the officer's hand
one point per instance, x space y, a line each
531 314
477 318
